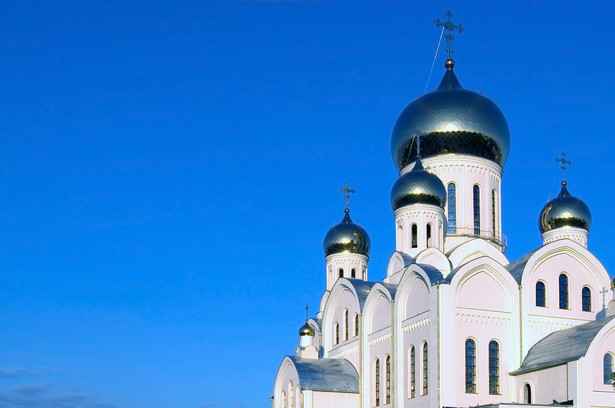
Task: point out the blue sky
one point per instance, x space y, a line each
169 170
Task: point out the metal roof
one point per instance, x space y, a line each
326 374
561 346
516 268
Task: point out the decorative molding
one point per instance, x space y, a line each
548 326
483 318
345 353
412 326
379 339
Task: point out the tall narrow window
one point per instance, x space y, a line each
377 382
388 380
291 394
541 294
346 325
337 333
353 273
428 235
470 366
414 236
494 367
608 368
493 212
284 399
356 324
412 372
452 207
476 200
425 369
586 299
527 394
563 291
341 272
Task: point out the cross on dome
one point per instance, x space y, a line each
564 163
347 191
307 308
450 26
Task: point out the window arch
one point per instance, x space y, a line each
388 380
494 367
346 325
476 203
452 204
425 369
414 238
563 291
470 366
428 233
337 333
377 382
586 299
527 394
353 273
412 372
356 324
608 368
400 235
341 272
541 294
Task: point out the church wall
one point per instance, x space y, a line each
415 332
335 399
592 371
283 393
540 321
546 385
337 315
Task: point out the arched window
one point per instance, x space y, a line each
353 273
346 325
412 372
283 399
541 294
425 369
527 394
586 299
470 366
494 367
563 291
608 368
428 235
400 235
356 324
291 394
414 237
388 380
452 204
364 274
493 212
337 333
377 375
341 272
476 201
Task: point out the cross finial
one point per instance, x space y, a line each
307 308
450 27
564 163
347 191
604 292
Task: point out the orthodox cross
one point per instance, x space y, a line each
347 191
450 26
564 163
306 311
604 292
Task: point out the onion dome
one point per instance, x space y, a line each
564 211
418 187
451 120
346 237
306 330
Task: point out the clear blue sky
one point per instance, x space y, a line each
169 170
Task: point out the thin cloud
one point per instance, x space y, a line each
14 372
44 395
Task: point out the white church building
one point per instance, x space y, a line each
455 323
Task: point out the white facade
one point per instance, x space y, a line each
455 323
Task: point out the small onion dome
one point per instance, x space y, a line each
346 237
418 187
306 330
451 120
564 211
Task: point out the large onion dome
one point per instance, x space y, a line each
451 120
306 330
418 187
564 211
346 237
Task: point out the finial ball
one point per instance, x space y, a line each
449 63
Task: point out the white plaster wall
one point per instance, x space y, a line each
421 215
335 399
595 392
547 385
346 262
286 373
345 301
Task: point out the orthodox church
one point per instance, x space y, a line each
455 323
